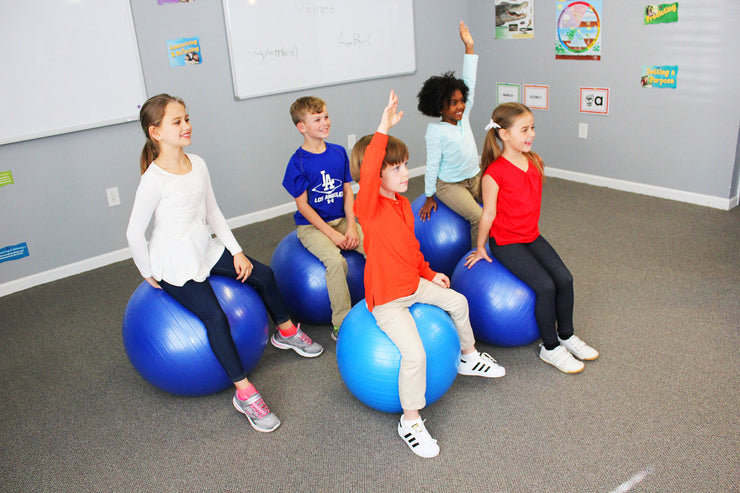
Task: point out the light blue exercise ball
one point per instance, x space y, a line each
369 362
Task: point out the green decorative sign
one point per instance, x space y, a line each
6 178
662 13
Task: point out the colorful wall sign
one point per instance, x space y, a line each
13 252
578 30
659 76
184 51
661 13
514 20
6 178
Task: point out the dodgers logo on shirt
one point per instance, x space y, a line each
329 189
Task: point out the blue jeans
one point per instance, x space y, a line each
199 298
539 266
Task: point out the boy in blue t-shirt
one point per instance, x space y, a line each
318 178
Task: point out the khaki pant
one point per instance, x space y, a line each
462 197
330 255
395 319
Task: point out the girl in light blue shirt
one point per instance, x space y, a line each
453 167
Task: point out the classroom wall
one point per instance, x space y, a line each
679 143
675 143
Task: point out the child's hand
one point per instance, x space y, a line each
352 239
426 211
441 280
153 282
391 116
476 255
243 266
466 38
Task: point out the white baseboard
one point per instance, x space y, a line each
279 210
64 271
642 189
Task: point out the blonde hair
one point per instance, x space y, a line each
304 106
151 113
504 116
395 152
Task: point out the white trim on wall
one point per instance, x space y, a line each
642 189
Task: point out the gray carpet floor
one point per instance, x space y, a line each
657 292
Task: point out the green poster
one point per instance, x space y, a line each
662 13
6 178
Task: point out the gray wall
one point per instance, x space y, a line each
682 140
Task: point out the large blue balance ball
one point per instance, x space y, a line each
301 279
501 305
369 362
443 238
169 347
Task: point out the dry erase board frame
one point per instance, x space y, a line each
280 46
67 66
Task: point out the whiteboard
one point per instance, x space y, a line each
68 65
279 46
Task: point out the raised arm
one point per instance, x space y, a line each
391 116
467 39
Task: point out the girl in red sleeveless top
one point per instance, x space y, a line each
511 187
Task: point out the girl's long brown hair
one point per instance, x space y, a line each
505 115
151 113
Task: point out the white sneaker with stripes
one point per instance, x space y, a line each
416 436
480 365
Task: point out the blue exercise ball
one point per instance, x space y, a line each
501 305
169 347
301 280
369 362
443 238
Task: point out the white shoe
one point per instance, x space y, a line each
561 359
418 439
481 365
579 349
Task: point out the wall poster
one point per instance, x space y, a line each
514 20
578 30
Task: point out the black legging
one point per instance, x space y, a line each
199 298
539 266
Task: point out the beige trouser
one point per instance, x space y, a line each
462 198
395 319
330 255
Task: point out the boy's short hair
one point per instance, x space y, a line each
395 152
304 106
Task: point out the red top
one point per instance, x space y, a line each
394 261
518 203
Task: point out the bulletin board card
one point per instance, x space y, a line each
68 66
281 46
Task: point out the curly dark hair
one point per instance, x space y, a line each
436 92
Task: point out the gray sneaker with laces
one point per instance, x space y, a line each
257 412
298 342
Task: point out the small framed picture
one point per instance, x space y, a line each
537 97
507 93
594 100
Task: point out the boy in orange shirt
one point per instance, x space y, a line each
397 276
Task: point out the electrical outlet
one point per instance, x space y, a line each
351 140
113 197
583 130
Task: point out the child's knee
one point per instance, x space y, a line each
336 263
